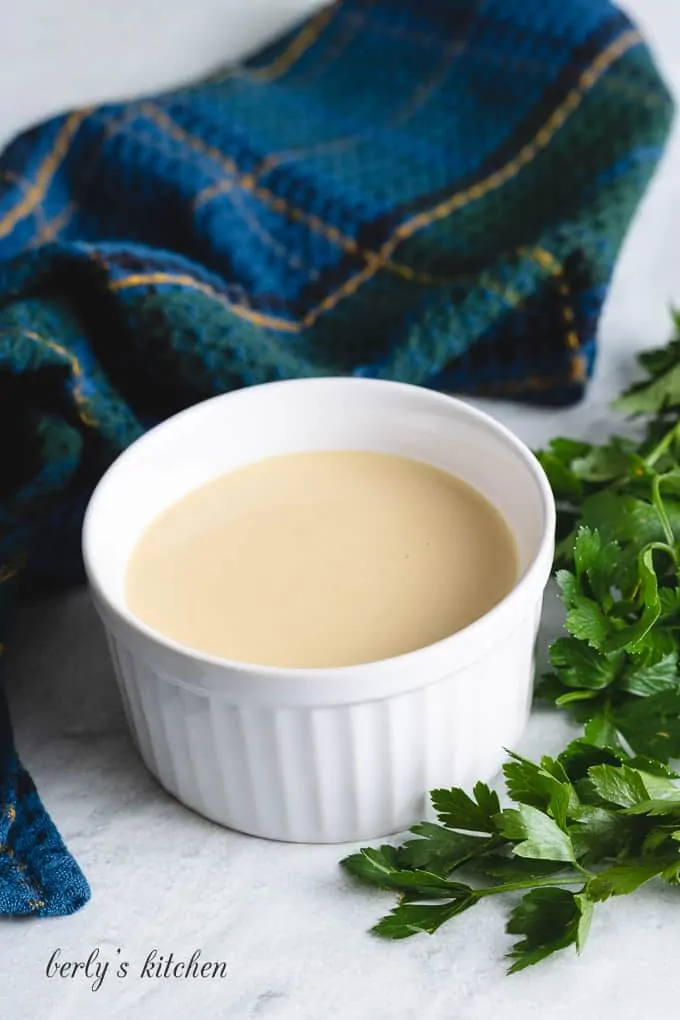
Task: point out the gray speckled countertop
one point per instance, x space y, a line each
282 917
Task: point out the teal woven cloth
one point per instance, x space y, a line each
433 191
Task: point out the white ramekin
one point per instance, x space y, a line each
322 755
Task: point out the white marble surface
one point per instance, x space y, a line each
283 918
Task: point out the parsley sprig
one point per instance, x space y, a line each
589 824
603 817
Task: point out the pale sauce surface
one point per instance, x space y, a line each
330 558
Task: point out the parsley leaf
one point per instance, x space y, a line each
549 919
586 621
440 849
622 879
652 397
413 918
580 665
651 725
540 836
653 679
381 867
458 811
619 785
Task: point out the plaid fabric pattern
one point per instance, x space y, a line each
37 874
433 191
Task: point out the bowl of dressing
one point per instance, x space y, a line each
321 598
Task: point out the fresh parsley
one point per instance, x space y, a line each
603 817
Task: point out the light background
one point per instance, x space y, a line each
283 917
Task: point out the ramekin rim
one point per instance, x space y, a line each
536 574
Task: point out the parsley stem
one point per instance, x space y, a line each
528 883
657 500
662 446
662 547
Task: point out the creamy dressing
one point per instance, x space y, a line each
328 558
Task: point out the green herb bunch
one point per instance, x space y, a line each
603 817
